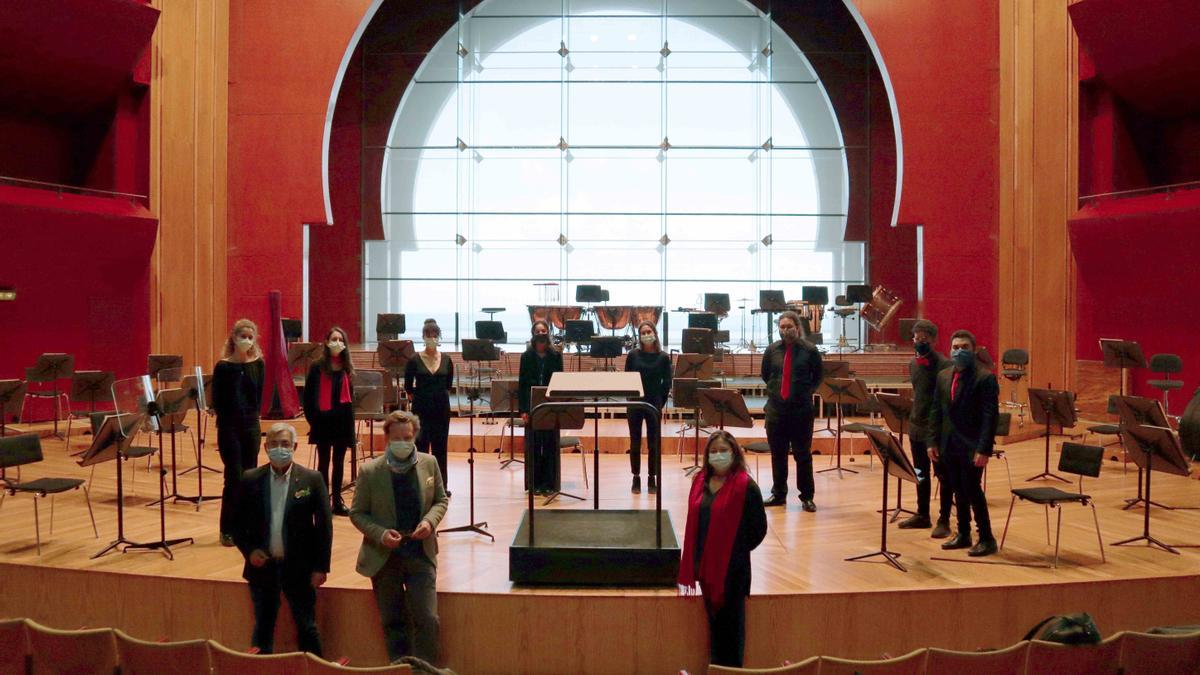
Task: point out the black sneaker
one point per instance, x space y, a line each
983 548
775 501
941 531
917 522
637 485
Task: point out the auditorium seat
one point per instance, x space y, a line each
809 666
1053 658
226 661
78 652
998 662
1147 654
14 646
138 657
319 666
912 663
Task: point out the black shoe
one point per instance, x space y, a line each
984 547
941 531
808 505
960 540
917 522
652 486
227 540
339 508
637 485
776 501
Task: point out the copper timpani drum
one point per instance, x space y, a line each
646 313
614 317
556 315
882 309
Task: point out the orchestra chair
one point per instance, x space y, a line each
78 652
226 661
757 448
1054 658
26 449
103 395
1165 364
1148 654
48 390
1014 366
809 666
1108 429
1081 460
999 662
139 657
14 646
912 663
319 666
575 445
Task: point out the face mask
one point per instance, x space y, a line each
244 344
401 449
923 348
540 340
336 347
431 342
963 358
280 455
648 339
720 461
789 334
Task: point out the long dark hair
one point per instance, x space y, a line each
739 458
326 360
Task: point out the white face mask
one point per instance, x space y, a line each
401 449
244 344
280 455
648 339
720 460
336 347
431 343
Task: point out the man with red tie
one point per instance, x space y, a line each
791 368
962 432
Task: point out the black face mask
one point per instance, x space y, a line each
923 348
540 340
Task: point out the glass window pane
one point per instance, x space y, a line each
701 114
713 181
624 115
614 181
633 260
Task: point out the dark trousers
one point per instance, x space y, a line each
727 631
339 466
966 481
927 470
792 433
238 445
297 587
542 460
435 436
653 441
406 593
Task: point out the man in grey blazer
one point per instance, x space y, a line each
399 500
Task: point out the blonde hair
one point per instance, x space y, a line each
231 347
401 417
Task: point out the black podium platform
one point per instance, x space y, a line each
594 548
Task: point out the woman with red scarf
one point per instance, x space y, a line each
329 409
726 520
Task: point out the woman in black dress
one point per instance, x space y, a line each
237 396
428 379
329 409
725 521
538 363
649 361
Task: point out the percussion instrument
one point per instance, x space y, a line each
556 315
811 313
881 309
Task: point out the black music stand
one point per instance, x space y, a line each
698 341
897 464
859 294
551 419
156 363
685 394
579 332
896 409
389 326
91 386
491 330
394 356
12 395
607 348
1047 407
695 366
172 407
841 390
771 302
505 399
717 303
367 405
1137 411
474 350
301 355
52 368
1123 354
110 442
703 320
199 389
832 369
1147 442
815 295
723 408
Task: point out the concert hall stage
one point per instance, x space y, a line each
806 599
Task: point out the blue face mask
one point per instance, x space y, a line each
279 455
963 358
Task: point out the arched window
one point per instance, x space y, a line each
661 149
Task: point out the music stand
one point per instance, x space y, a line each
491 330
505 399
832 369
589 293
723 408
1136 411
367 405
1123 354
703 320
1147 442
110 442
717 303
91 386
301 355
897 464
815 295
393 356
156 363
199 388
859 294
771 302
12 395
841 390
52 368
685 394
293 329
607 348
389 326
1047 407
551 419
579 332
694 366
165 412
474 350
697 341
896 410
172 406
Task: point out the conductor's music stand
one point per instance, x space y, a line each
1047 407
474 350
12 396
505 399
896 410
694 366
685 394
51 368
394 356
897 464
723 408
1123 354
841 390
1136 411
388 326
1147 442
550 419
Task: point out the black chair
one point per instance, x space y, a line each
757 448
1081 460
1165 364
16 451
1108 429
1014 366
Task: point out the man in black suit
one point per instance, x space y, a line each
791 369
285 531
923 372
962 432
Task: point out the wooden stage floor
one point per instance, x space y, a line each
806 599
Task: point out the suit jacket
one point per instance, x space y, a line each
924 382
307 524
373 511
806 376
968 423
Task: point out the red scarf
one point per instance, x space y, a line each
725 515
325 392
